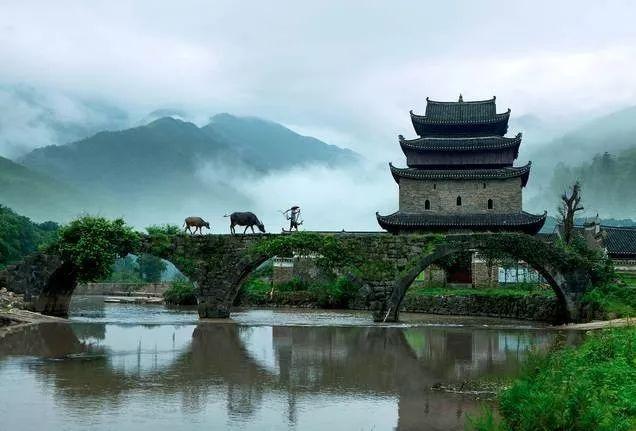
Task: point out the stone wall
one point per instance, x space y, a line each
442 195
531 307
45 281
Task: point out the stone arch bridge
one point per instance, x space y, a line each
382 264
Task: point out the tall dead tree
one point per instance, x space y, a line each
570 205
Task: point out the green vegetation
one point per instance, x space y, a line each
36 195
591 387
607 180
93 244
610 301
125 270
19 236
334 293
628 279
150 267
181 292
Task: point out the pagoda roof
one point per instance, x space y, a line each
479 143
460 113
518 222
463 174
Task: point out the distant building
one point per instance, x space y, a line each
618 242
460 175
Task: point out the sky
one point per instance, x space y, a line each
345 72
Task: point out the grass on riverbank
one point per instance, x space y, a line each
628 278
611 301
591 387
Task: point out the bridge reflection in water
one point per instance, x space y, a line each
229 376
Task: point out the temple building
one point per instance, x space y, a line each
460 174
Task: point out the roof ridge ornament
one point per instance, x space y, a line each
461 99
401 138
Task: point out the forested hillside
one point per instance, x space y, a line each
608 183
19 236
36 194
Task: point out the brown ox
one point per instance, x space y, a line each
197 222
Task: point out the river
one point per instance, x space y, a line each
142 367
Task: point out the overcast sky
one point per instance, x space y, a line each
346 72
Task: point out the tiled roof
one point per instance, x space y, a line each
461 143
462 174
479 111
620 241
522 221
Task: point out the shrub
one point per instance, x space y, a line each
592 387
181 292
334 293
611 301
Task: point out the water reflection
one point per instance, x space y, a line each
228 376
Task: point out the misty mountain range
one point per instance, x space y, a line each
168 162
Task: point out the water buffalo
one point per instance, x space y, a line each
247 219
198 224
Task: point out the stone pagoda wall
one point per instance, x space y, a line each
506 196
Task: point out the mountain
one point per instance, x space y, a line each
36 195
174 168
32 117
611 133
270 145
607 182
129 162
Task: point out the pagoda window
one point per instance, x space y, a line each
434 186
490 204
427 204
459 201
484 185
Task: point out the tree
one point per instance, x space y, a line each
570 205
150 267
92 244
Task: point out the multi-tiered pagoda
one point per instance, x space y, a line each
460 175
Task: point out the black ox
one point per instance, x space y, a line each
247 219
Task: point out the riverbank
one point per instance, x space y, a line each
598 324
589 387
12 311
14 317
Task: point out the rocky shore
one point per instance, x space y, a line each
12 311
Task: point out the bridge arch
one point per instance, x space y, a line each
568 286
